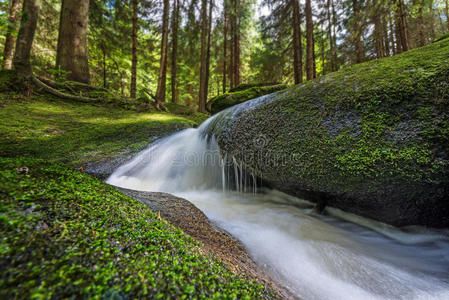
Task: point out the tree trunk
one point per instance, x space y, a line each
297 43
134 51
310 51
334 23
225 42
25 38
331 38
232 43
72 41
422 40
357 28
386 37
446 10
401 23
209 39
378 29
161 84
11 34
174 52
104 68
203 70
237 61
432 20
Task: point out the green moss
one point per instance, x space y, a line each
77 133
370 128
64 234
241 95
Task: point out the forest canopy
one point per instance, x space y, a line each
192 50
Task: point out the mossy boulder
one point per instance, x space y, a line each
371 139
241 94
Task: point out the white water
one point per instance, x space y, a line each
316 257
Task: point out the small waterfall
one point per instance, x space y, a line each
188 160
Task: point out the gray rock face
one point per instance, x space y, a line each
378 148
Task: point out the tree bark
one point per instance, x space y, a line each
161 86
446 10
21 62
72 41
297 43
332 53
134 51
378 29
11 34
401 23
203 70
237 61
209 39
386 36
422 40
225 43
310 51
174 52
357 28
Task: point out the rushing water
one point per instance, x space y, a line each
332 256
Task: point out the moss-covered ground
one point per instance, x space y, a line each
77 133
66 234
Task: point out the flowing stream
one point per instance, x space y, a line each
331 256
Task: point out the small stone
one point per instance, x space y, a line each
22 170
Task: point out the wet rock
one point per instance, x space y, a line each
371 139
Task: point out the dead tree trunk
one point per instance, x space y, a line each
11 33
21 62
72 41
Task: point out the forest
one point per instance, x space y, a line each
224 149
189 51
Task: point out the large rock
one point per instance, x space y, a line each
371 139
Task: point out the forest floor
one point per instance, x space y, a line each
65 233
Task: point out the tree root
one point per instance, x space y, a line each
157 104
59 94
68 85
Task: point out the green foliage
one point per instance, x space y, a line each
65 234
242 94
